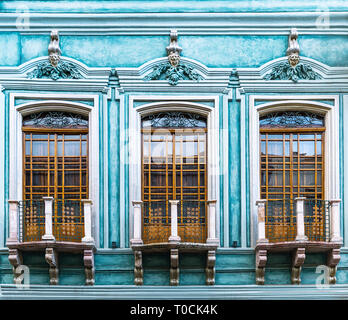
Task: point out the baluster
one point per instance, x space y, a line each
48 236
87 209
261 225
174 221
13 215
137 239
300 236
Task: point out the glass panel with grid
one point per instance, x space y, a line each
55 163
292 165
174 168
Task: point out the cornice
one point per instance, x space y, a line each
221 23
104 6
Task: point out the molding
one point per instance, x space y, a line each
131 292
194 23
86 72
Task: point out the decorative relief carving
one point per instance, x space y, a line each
54 68
173 70
292 69
175 119
291 119
55 119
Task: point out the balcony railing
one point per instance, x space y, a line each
31 220
300 219
190 221
68 220
50 220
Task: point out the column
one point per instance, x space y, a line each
335 232
87 210
13 215
48 236
261 225
212 239
300 236
174 221
137 223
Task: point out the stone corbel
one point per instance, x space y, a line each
138 268
261 260
210 268
174 267
333 259
298 259
51 257
88 260
16 260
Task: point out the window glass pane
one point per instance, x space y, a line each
39 148
275 148
307 148
72 148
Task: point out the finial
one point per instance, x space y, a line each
293 50
173 50
53 49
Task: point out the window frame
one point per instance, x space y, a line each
263 104
54 102
189 104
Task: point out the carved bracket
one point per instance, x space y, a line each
51 257
174 267
298 259
138 268
16 260
261 260
88 260
210 268
333 259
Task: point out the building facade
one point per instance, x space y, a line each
181 149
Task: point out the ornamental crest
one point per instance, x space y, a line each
54 68
173 70
293 69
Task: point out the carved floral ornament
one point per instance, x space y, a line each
174 69
292 69
55 68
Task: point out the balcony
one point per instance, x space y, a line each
299 226
51 226
174 226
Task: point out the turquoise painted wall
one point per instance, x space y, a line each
115 267
115 50
211 50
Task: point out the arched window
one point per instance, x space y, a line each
292 165
174 167
55 164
